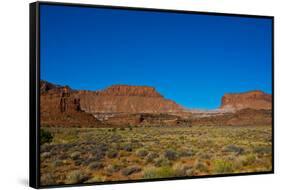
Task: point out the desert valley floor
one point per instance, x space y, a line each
86 155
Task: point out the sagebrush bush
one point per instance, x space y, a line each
162 162
263 150
200 166
170 154
95 165
47 179
57 163
112 168
233 148
75 155
187 153
127 147
151 156
46 155
75 177
180 169
130 170
45 137
112 154
141 152
248 159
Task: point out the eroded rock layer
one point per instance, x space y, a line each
252 99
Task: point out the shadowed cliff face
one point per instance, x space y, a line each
253 99
60 106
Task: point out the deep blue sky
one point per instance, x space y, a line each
191 59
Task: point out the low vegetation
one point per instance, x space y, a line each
87 155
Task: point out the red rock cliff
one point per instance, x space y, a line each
252 99
126 99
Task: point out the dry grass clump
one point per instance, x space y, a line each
162 172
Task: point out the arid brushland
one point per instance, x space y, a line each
133 132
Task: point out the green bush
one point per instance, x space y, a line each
221 167
162 172
45 137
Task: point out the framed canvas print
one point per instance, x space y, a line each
122 94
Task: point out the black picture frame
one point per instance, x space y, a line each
34 91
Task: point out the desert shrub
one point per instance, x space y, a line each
130 170
46 148
162 172
187 153
221 167
162 162
46 155
96 179
95 165
200 166
102 147
262 150
151 156
75 155
248 159
57 163
98 154
75 177
141 152
190 172
112 154
123 153
111 168
127 147
205 156
47 179
233 148
170 154
79 161
180 170
45 137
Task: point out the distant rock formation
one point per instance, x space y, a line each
124 105
60 106
90 108
252 99
126 99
